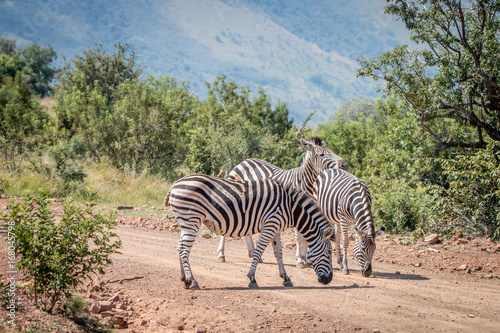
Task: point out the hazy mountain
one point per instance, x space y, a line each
300 52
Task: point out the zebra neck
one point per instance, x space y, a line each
306 174
308 219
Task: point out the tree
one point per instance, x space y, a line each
7 46
451 81
355 109
39 60
98 68
33 61
229 127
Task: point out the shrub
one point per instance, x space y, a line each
57 256
75 304
470 201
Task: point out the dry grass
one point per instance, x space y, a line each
113 186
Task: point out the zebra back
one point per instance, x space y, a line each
317 159
341 195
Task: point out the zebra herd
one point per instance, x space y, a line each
259 197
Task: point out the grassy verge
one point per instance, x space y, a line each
112 186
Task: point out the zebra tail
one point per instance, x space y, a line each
166 202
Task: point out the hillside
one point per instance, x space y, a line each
303 54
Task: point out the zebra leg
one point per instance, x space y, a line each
184 248
251 248
265 237
337 246
279 257
345 246
220 250
301 253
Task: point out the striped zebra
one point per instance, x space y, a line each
345 200
316 159
237 209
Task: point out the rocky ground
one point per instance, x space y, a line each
449 285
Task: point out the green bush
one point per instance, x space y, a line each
400 208
57 256
470 201
75 304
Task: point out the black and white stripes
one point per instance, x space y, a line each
316 159
237 209
345 200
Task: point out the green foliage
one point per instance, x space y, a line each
4 292
355 109
25 125
56 257
33 62
97 69
471 200
386 150
75 304
39 60
230 127
450 82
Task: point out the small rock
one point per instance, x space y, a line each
114 298
461 267
471 316
105 305
96 307
398 273
94 296
432 239
107 314
456 236
463 241
143 322
119 320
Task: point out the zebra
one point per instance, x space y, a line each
241 208
345 199
316 159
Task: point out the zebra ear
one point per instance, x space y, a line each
329 233
323 144
307 145
360 233
379 231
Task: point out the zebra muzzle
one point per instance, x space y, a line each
325 279
367 271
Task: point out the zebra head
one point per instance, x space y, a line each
319 255
320 158
364 249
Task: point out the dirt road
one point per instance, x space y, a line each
394 299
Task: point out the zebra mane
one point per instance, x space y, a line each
316 141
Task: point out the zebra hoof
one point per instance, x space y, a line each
194 285
221 259
345 271
260 261
253 285
300 265
288 283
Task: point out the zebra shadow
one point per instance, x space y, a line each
353 286
394 276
